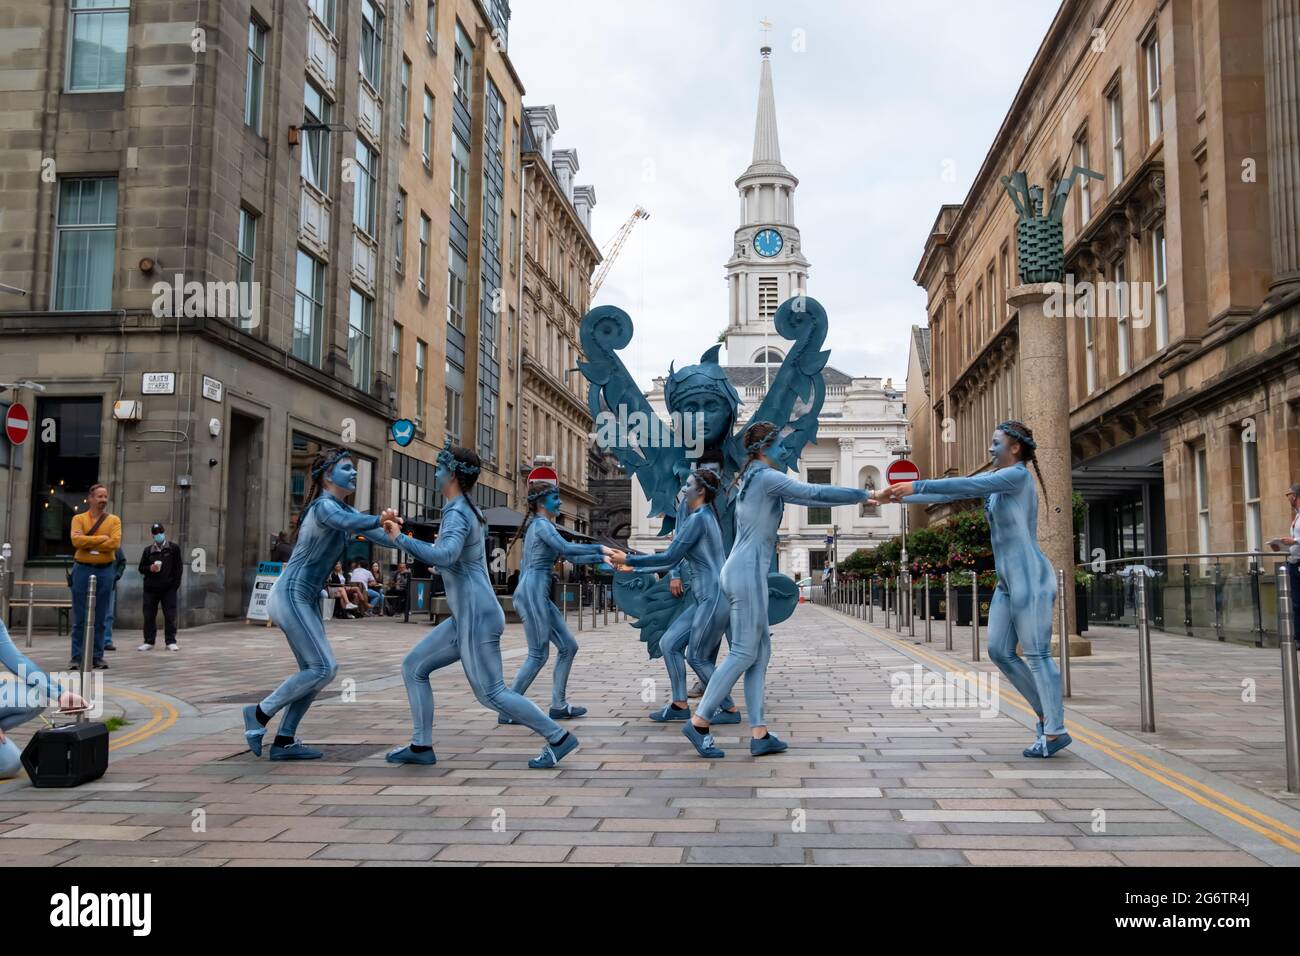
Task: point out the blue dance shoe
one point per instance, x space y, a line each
702 741
567 712
771 744
669 713
295 751
253 731
1045 748
727 717
553 753
407 755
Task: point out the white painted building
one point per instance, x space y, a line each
862 420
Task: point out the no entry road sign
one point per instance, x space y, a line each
901 470
17 424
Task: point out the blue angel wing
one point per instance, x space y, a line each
613 392
795 396
644 596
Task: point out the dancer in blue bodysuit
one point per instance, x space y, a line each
24 699
1021 610
472 635
695 635
764 490
543 623
324 526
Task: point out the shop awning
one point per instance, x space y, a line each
1122 470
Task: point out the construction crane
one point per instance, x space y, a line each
611 251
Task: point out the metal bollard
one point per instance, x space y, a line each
1064 649
577 604
887 592
871 600
974 616
31 606
604 605
948 610
593 607
87 646
928 616
564 603
911 607
862 600
1146 696
1290 684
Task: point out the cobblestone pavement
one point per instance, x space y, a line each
870 778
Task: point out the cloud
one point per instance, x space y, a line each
659 100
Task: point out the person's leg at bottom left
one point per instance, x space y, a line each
10 755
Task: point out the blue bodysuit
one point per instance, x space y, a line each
543 623
472 635
21 700
758 509
1021 609
694 635
294 603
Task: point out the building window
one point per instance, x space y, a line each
1123 326
426 135
97 46
514 242
514 148
1202 500
1084 182
404 105
455 394
487 425
246 257
425 228
254 84
84 244
1089 343
457 274
365 189
1159 280
459 175
767 292
510 335
1115 124
1155 121
431 25
395 360
309 309
372 44
361 320
324 12
460 75
63 472
1006 278
317 112
399 232
1250 493
421 362
991 287
820 514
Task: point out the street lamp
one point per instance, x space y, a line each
25 383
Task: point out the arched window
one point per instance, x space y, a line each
768 357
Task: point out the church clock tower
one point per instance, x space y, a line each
767 264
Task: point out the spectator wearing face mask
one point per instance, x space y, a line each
161 567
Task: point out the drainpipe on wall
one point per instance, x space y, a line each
516 459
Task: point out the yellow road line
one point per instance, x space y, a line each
161 716
1165 775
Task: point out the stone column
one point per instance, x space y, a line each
1282 109
1045 408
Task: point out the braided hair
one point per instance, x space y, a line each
537 491
711 482
321 466
465 465
757 438
1020 432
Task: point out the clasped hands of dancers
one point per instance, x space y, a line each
730 595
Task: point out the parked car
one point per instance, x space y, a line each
805 589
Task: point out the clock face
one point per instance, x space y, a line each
768 242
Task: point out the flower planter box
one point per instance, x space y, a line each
964 609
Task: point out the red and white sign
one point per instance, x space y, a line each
17 424
902 470
544 474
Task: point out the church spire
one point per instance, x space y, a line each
767 146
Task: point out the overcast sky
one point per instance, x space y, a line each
884 115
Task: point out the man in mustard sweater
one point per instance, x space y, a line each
96 536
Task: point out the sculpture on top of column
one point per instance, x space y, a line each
1040 242
704 412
